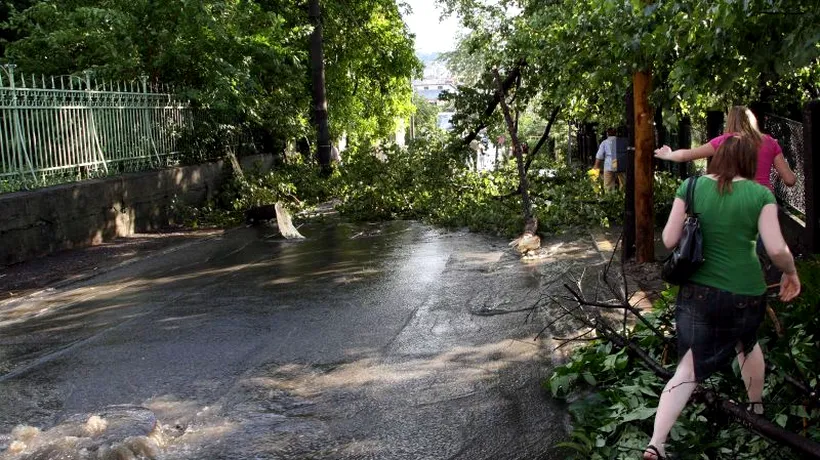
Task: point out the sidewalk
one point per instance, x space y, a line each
644 279
74 265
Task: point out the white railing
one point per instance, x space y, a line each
68 124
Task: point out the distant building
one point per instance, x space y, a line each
434 67
444 120
430 89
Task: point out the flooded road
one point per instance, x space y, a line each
360 342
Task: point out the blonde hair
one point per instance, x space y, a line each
742 121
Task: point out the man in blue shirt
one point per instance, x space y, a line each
608 154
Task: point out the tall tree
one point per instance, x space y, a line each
582 54
318 94
246 60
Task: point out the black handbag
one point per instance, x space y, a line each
687 256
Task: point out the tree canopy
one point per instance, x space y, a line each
580 54
244 59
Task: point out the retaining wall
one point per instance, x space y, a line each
90 212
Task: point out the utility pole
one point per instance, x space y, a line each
628 244
644 159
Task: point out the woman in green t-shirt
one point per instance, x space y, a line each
720 308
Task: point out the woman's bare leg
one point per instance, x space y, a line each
753 371
673 400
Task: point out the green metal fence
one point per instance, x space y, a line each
69 125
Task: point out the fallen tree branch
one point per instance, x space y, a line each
751 421
639 352
737 412
625 305
768 429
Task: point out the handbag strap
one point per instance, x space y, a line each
690 196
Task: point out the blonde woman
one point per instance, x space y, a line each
741 120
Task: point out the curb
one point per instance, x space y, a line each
602 244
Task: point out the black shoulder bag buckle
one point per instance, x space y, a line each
687 256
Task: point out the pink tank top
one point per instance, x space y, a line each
768 151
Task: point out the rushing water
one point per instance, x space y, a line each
372 341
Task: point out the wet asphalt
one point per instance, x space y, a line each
388 341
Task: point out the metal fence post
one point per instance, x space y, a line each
661 138
759 110
148 130
714 126
18 129
811 143
92 124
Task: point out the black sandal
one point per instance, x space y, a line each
654 451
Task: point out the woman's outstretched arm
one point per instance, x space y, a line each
684 155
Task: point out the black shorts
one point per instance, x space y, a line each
711 322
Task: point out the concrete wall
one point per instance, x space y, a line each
84 213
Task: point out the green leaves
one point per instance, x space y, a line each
639 413
703 54
613 418
245 60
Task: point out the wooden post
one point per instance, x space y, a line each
684 142
629 201
811 165
644 178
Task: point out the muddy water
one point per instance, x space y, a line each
363 341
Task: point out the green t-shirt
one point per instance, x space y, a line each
729 226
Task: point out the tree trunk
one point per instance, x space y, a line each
543 138
515 73
629 201
644 159
522 174
319 97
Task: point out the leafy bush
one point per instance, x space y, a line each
209 215
296 184
431 181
